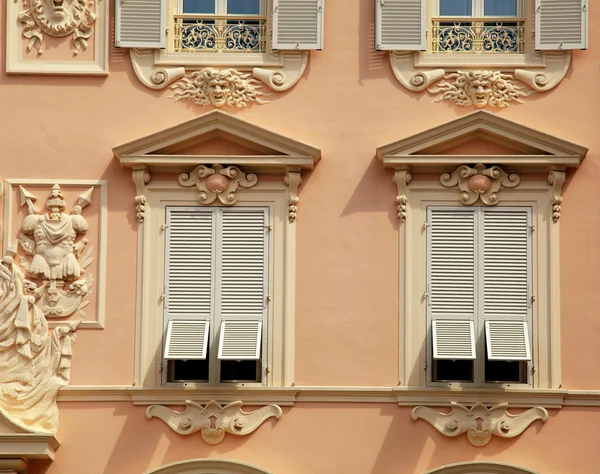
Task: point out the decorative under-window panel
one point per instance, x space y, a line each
220 59
49 37
480 61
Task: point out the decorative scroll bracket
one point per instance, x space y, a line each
479 183
402 178
479 421
556 179
141 177
293 180
213 420
217 182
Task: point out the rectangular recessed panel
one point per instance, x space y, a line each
186 339
189 263
240 340
561 24
507 340
140 23
400 24
297 24
453 339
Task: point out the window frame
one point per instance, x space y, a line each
477 8
279 341
479 319
545 325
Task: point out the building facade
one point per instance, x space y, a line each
297 236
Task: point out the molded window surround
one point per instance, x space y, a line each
478 467
209 466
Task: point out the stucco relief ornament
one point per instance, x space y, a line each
479 89
480 422
211 86
55 242
34 364
58 18
479 182
217 182
213 420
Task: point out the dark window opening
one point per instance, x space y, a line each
452 370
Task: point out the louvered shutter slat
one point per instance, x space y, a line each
140 23
240 340
561 24
186 340
507 340
297 24
453 339
400 25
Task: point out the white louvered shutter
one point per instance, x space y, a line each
140 23
506 290
297 24
186 339
451 246
242 281
561 24
240 340
400 25
507 340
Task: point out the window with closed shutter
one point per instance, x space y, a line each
479 294
216 288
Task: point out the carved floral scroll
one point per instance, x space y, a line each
217 182
213 420
480 422
479 183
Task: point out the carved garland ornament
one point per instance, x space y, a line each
557 180
213 420
58 18
293 180
402 178
211 86
479 421
479 183
140 179
217 182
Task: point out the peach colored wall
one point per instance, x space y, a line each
347 103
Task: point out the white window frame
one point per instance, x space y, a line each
221 8
278 340
477 9
479 319
545 326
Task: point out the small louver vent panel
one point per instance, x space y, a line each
189 263
507 340
297 24
140 23
240 340
453 339
506 266
243 264
400 25
451 263
186 340
561 24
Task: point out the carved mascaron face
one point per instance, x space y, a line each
58 17
218 90
479 91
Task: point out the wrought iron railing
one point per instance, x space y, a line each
478 35
218 34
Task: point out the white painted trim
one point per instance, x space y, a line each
100 278
16 64
480 467
208 466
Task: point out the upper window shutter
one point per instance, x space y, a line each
186 339
453 339
400 25
507 340
561 24
297 24
140 23
240 340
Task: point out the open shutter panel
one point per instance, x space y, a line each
507 340
400 25
297 24
240 340
140 23
561 24
189 264
186 340
453 339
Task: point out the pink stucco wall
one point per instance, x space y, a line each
347 103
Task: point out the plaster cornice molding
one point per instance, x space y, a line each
213 420
479 421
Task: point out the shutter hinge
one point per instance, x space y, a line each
164 227
160 368
425 225
166 31
425 366
162 297
426 294
532 227
270 227
269 298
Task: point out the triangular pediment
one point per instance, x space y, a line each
481 137
217 138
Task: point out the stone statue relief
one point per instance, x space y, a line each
55 241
